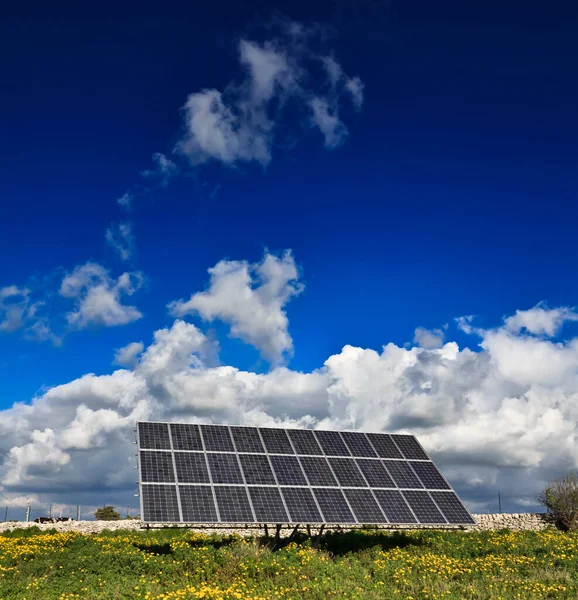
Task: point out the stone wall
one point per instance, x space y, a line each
516 521
513 521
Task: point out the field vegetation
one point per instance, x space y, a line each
179 564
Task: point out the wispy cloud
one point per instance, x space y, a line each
120 236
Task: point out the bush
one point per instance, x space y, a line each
561 499
107 513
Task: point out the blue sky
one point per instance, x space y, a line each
453 192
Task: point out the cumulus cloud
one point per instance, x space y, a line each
540 320
240 123
18 311
120 237
251 299
496 419
127 356
98 296
428 338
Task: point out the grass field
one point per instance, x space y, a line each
177 564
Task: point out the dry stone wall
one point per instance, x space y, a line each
484 522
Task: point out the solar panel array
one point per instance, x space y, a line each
190 473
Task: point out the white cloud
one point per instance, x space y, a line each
164 168
540 320
98 296
499 419
428 338
125 201
19 311
251 299
240 124
120 237
127 356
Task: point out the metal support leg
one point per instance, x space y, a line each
293 533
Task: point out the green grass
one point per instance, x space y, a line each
174 563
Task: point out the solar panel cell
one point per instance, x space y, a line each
409 447
347 473
331 443
287 470
394 506
198 504
430 476
160 504
317 470
423 506
268 504
156 467
224 468
304 441
364 506
153 436
402 474
358 444
191 467
217 438
247 439
233 504
276 441
301 505
384 445
186 437
375 473
333 505
256 469
452 508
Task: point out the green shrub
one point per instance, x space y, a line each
561 499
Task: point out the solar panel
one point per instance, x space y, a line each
331 443
247 439
153 436
233 504
217 438
423 507
317 470
394 506
224 468
160 503
304 441
384 445
409 447
301 505
268 504
364 506
430 476
358 444
287 470
347 472
186 437
257 469
191 467
375 473
195 473
198 504
157 467
333 505
402 474
451 507
276 441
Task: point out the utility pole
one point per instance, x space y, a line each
78 513
499 503
127 509
6 514
28 513
50 510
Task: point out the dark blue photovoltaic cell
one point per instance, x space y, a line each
247 439
347 472
333 505
224 468
402 474
375 473
429 475
198 504
217 438
452 509
160 504
317 470
156 467
191 467
364 506
233 504
423 507
358 444
257 469
276 441
304 442
384 446
287 470
301 505
394 506
186 437
409 447
268 504
153 436
331 443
